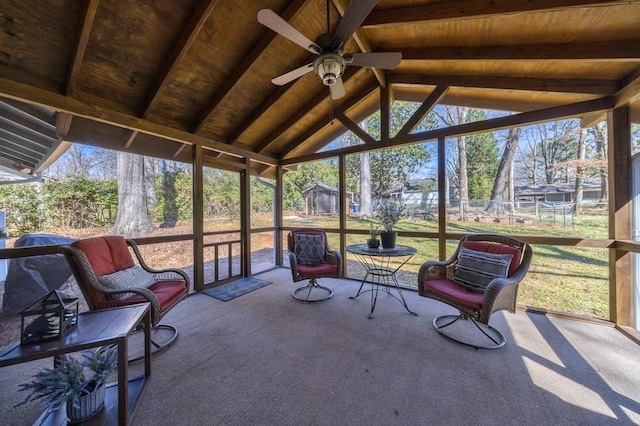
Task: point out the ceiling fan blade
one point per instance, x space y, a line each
354 16
292 75
337 89
386 60
269 19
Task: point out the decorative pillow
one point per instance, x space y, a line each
309 248
134 277
476 269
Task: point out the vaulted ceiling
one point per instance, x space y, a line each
155 77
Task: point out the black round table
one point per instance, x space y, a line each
379 269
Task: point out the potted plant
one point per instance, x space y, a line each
68 383
373 242
389 213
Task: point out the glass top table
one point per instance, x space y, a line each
381 266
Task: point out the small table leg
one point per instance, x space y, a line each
123 381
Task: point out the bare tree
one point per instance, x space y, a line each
81 161
580 169
600 136
506 161
454 116
136 197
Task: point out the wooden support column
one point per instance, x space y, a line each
278 240
385 106
198 220
245 217
620 214
342 185
442 200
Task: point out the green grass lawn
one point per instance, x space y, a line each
561 278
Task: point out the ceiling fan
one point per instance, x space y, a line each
331 61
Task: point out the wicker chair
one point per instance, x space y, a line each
443 281
302 245
94 260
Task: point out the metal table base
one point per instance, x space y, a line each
381 272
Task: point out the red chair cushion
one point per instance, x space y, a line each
168 292
106 254
325 268
496 249
453 291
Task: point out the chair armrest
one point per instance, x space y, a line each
159 274
293 262
335 258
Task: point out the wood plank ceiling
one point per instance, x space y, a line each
154 77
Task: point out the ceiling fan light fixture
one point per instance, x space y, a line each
329 68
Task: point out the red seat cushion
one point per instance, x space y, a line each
324 268
496 249
106 254
168 292
453 291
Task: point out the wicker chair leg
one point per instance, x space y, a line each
442 322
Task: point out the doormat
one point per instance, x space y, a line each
236 288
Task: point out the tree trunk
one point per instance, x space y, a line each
366 207
601 146
502 175
580 171
463 180
135 195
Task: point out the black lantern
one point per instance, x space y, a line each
52 317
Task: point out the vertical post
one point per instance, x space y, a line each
384 114
342 184
442 198
278 242
198 220
620 213
245 217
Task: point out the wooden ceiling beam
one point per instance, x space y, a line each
81 46
490 125
323 94
180 49
292 10
357 130
438 93
353 100
264 106
561 85
130 139
361 40
630 92
525 118
63 123
464 9
618 50
25 93
300 113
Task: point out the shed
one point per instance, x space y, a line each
324 200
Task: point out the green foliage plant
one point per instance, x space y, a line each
374 232
389 213
68 380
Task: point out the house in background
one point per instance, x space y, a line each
558 193
420 194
